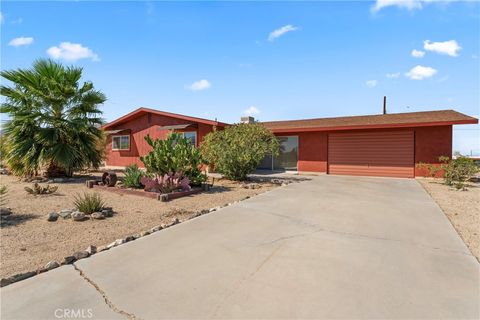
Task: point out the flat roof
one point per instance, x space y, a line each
409 119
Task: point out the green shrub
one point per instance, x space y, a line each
37 189
238 150
458 171
89 203
133 174
174 155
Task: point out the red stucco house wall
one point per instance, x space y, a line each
141 124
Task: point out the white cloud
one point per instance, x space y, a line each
371 83
405 4
420 72
1 17
450 47
393 75
417 53
281 31
21 41
251 111
72 52
474 56
199 85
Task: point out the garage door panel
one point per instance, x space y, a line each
372 153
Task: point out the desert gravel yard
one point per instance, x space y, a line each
29 241
461 207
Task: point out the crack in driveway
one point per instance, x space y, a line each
104 295
317 229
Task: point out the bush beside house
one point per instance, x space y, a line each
238 150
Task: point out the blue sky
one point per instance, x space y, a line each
274 60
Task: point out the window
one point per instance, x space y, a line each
121 143
192 136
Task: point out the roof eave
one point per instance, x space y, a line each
132 114
377 126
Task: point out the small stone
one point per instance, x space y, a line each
69 259
119 184
196 214
284 184
65 213
204 211
156 228
174 221
23 249
78 216
97 215
129 238
144 233
5 211
212 209
5 282
119 241
136 236
22 276
111 245
91 250
107 213
52 216
51 265
101 248
81 255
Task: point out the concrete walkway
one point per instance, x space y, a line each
332 247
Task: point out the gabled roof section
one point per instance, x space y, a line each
410 119
141 111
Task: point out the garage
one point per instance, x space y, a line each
380 153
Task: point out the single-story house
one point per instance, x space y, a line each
374 145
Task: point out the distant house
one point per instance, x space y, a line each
375 145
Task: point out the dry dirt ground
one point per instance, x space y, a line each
29 241
461 207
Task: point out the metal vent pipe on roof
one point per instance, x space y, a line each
384 104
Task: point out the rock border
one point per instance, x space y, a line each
153 195
91 250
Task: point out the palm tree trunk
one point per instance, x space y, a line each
53 170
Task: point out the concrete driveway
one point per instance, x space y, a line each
332 247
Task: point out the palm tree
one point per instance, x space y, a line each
54 120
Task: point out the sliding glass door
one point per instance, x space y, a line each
287 158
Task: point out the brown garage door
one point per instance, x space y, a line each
386 154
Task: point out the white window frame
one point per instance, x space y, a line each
194 132
120 137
